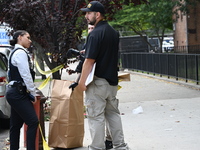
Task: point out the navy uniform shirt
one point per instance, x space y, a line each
102 45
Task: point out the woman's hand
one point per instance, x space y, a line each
32 98
35 101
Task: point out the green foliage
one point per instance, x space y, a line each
162 12
150 18
145 18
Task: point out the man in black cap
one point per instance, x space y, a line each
100 99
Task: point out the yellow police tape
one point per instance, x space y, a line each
119 87
44 83
44 143
49 71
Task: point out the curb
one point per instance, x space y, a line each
179 82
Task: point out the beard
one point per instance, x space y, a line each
92 22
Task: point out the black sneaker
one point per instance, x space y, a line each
108 144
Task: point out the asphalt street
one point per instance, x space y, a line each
157 113
170 113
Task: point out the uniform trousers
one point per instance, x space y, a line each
22 111
102 106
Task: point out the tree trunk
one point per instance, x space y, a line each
51 64
40 62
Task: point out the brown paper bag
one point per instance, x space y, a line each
124 77
66 126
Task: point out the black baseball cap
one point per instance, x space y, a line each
94 6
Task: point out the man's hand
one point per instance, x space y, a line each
87 67
82 86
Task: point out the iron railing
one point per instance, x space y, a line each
180 66
191 49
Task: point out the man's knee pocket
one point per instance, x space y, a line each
92 109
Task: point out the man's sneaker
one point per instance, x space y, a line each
108 144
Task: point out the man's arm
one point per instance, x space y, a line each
87 67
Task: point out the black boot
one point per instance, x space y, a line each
108 144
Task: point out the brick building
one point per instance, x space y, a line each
187 31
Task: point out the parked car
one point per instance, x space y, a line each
4 106
167 47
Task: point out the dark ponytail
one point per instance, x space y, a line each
16 35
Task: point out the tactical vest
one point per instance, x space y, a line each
13 73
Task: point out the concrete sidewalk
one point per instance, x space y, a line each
170 119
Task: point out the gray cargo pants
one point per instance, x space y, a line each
102 105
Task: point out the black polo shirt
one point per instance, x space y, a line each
102 45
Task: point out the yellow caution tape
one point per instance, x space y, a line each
119 87
49 71
48 54
44 143
44 83
57 68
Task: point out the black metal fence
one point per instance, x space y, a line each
191 49
180 66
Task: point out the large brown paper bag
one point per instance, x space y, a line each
66 127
